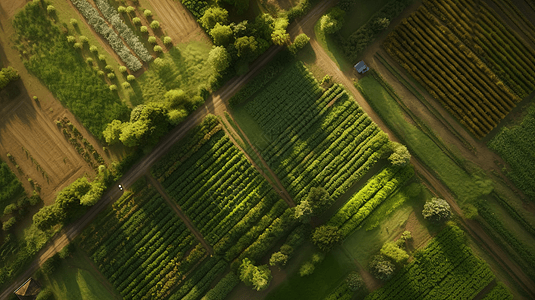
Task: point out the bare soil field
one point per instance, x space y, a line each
30 135
8 8
176 21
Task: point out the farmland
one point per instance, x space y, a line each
139 253
451 72
445 269
222 193
312 138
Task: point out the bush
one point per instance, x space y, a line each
167 40
306 269
9 223
130 77
78 45
154 24
111 75
143 29
278 259
102 58
392 251
219 58
258 277
147 13
121 9
136 21
158 49
406 235
125 85
130 9
332 21
50 9
122 69
71 39
325 237
152 39
74 22
212 16
299 43
401 155
354 281
437 210
93 49
51 265
113 87
83 39
381 268
10 209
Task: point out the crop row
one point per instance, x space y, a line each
381 194
314 139
195 138
451 72
100 26
499 292
199 281
141 246
445 269
500 48
126 33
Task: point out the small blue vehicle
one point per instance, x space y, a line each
361 67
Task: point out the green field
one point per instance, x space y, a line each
11 186
76 278
361 11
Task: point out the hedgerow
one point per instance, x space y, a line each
7 75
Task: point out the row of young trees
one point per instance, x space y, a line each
450 72
97 22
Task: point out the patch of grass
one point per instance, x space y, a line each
361 11
184 67
75 278
327 275
465 186
329 45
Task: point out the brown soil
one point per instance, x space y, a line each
8 8
176 21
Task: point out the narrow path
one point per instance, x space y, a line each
371 282
279 188
261 170
486 290
156 184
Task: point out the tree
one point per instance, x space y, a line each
380 24
219 59
240 29
113 132
154 24
306 269
147 13
152 39
437 210
319 200
381 268
299 42
130 9
247 47
167 40
175 98
278 259
212 16
332 21
121 9
51 9
221 34
326 236
258 277
303 211
143 29
177 115
94 194
400 156
280 37
146 125
392 251
264 26
354 281
48 216
158 49
122 69
136 21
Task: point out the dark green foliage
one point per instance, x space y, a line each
437 210
258 277
212 16
196 7
394 252
299 42
325 237
48 216
445 269
11 185
319 200
9 223
153 122
306 269
65 72
354 281
7 75
45 294
332 21
247 47
499 292
278 259
50 265
222 35
67 251
353 45
382 268
223 287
